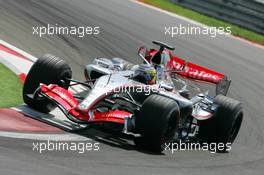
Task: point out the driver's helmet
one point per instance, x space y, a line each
146 74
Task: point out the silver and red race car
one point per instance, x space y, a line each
150 102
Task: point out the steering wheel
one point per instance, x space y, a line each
163 45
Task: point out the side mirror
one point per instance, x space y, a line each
142 52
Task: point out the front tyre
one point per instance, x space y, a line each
47 70
157 122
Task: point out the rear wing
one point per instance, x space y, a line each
199 73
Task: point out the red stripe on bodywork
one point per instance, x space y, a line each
69 103
192 70
195 71
116 116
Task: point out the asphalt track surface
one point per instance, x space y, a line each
124 27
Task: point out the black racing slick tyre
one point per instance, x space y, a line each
157 122
47 70
224 126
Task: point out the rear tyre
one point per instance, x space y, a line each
157 122
47 70
224 126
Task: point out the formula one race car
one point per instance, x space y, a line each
150 102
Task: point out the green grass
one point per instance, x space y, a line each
237 31
10 88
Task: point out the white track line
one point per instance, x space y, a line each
194 22
16 64
21 52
